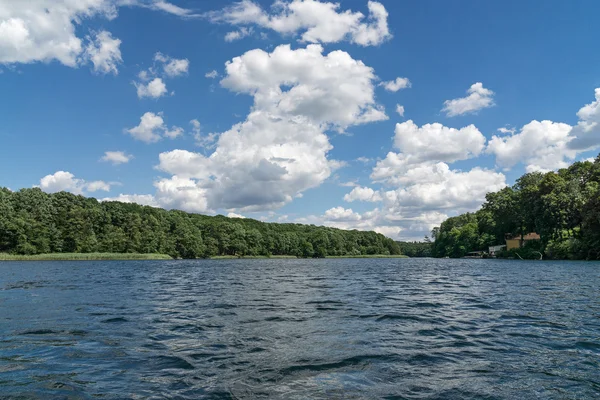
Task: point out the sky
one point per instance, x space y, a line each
374 115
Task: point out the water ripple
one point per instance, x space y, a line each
300 329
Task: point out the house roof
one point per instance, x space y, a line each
529 236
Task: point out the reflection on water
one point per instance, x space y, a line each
300 329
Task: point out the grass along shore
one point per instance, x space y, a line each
83 257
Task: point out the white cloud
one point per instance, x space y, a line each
541 146
65 181
395 85
400 110
441 188
116 157
436 142
104 53
152 128
151 84
44 30
170 8
319 22
332 88
364 160
420 189
234 215
155 88
212 74
360 193
548 145
97 185
239 34
172 67
47 30
61 181
207 141
143 199
477 98
341 214
507 130
586 134
174 132
280 149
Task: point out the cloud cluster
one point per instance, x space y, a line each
280 149
66 181
151 83
152 128
315 21
419 188
548 145
45 30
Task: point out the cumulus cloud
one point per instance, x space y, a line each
212 74
420 189
436 142
116 157
152 128
395 85
341 214
280 149
143 199
548 145
234 215
45 30
586 134
315 21
477 98
541 146
360 193
65 181
155 88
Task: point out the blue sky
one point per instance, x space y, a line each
288 112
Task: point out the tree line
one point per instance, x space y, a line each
563 207
35 222
416 249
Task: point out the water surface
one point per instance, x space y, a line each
300 329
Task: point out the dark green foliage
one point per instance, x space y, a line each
563 207
416 249
34 222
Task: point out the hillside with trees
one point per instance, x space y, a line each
563 207
35 222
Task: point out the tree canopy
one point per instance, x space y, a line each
563 207
35 222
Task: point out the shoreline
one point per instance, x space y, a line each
142 257
84 257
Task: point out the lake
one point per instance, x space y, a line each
300 329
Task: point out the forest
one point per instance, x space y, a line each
563 207
35 222
416 249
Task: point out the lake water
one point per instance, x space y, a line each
300 329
